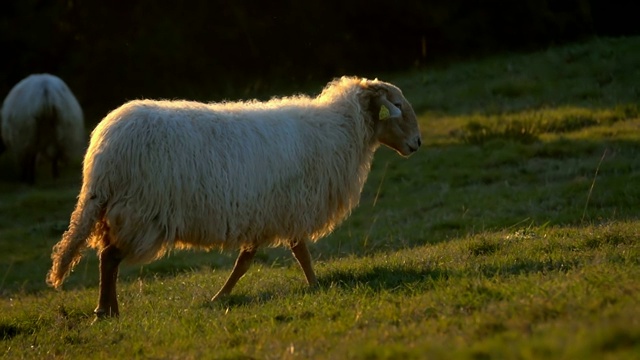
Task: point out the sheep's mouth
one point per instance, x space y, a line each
406 150
412 149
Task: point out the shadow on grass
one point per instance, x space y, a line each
377 279
23 326
526 266
381 278
238 300
9 331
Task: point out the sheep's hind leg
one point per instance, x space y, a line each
243 262
28 168
110 258
55 168
301 253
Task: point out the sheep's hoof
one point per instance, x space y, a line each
218 297
230 300
102 314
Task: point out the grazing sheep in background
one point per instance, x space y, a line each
40 116
176 174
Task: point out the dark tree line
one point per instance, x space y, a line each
112 51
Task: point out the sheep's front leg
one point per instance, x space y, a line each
239 269
110 258
301 253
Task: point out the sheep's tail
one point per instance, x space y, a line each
68 251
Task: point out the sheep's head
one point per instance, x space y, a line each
394 120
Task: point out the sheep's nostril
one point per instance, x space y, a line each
415 144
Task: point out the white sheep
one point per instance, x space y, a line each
41 117
237 175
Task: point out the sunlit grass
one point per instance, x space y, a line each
528 126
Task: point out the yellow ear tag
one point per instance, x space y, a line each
384 113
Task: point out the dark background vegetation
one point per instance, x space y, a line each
113 51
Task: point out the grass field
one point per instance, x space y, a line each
513 233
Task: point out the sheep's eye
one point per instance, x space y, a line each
398 105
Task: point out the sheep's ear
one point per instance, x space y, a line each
378 104
386 110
